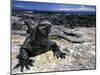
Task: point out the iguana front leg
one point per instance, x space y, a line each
24 60
56 50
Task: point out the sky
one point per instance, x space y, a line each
51 7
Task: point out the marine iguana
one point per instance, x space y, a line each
36 43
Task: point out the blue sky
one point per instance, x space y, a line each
22 5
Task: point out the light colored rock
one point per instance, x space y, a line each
80 56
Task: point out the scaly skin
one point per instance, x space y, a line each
35 45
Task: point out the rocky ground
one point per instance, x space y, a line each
79 56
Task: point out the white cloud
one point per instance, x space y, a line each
18 6
81 8
85 8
